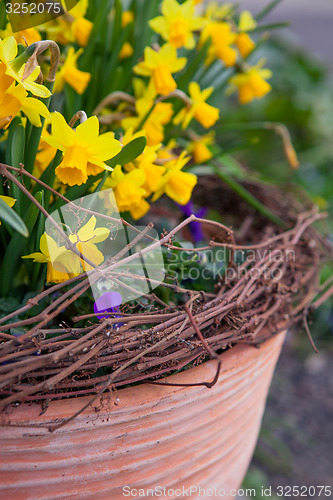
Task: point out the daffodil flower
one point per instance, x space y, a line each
126 51
160 66
127 17
204 113
222 38
14 100
199 148
251 84
84 150
244 42
68 29
29 36
145 162
217 12
177 23
176 184
51 254
129 192
8 52
70 74
62 263
85 241
159 114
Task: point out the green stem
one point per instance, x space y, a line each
246 195
266 10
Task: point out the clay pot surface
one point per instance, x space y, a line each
143 437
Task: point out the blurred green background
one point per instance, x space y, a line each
296 443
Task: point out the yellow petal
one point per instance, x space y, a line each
87 131
8 199
62 136
34 109
9 46
86 231
37 256
246 21
105 146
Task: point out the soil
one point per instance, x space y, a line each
296 442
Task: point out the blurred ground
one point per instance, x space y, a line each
296 442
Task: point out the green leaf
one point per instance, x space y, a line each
246 195
271 26
8 215
266 10
17 146
17 246
129 153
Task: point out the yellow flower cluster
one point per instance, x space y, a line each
14 87
155 172
73 27
157 107
167 103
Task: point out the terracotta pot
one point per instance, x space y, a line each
171 437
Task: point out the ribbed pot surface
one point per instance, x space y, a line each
171 437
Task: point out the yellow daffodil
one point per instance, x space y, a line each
145 162
8 53
127 17
177 23
160 66
222 37
84 150
5 80
71 28
204 113
8 200
244 42
70 74
81 29
85 242
129 192
176 184
126 51
216 12
199 148
63 263
251 84
14 100
51 254
28 36
158 114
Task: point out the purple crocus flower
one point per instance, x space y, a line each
109 302
195 227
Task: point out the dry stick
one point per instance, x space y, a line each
20 185
110 380
324 297
49 384
35 300
307 329
252 297
210 352
113 97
